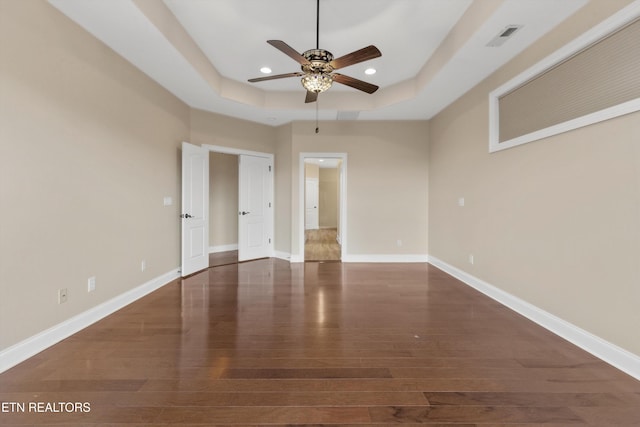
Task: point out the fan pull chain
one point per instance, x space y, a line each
318 24
317 47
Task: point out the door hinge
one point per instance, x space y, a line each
269 204
269 168
269 239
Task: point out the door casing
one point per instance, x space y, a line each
270 156
342 235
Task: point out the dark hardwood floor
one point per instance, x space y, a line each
218 259
273 343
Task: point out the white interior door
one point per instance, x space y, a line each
255 208
311 196
195 209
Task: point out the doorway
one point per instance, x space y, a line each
223 209
323 178
240 205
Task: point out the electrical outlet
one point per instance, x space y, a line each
91 284
399 242
62 295
461 201
143 265
471 259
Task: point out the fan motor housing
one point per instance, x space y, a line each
319 60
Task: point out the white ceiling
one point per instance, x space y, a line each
203 51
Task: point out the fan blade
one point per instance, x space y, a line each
311 97
361 55
289 51
277 76
354 83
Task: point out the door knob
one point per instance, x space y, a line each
244 213
186 216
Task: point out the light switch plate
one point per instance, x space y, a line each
62 295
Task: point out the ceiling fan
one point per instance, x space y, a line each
318 66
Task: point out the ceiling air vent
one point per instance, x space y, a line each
504 35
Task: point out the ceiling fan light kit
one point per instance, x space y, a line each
318 65
317 71
317 82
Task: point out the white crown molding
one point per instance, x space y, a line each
602 349
33 345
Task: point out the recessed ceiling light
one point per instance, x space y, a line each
321 160
265 70
370 71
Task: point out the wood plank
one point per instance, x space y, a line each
474 414
306 373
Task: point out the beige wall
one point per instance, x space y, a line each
328 198
554 222
311 171
223 199
339 194
89 146
215 129
386 182
282 177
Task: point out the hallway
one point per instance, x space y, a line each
322 245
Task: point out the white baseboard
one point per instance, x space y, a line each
385 258
223 248
282 255
31 346
608 352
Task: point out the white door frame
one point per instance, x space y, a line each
270 156
343 201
